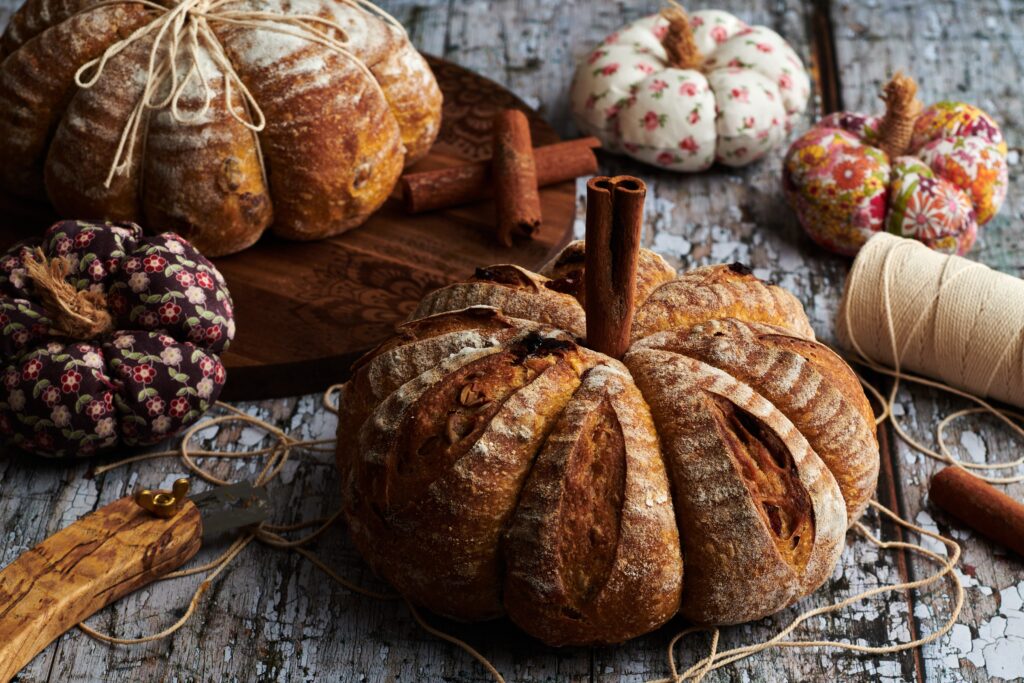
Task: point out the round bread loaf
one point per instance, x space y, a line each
492 464
345 100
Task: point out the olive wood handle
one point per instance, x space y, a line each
83 568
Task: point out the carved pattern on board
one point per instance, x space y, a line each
470 103
352 288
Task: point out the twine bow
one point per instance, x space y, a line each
184 30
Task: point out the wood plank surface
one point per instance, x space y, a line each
274 617
955 49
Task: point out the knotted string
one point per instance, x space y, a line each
185 30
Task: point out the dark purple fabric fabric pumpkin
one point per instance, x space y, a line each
153 371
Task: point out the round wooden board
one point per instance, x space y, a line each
306 310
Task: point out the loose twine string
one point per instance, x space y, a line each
270 534
184 31
276 455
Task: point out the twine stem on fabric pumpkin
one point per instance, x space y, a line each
79 314
184 32
901 111
679 43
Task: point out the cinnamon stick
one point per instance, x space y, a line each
515 177
615 210
981 506
471 182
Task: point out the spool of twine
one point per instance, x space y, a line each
957 322
943 316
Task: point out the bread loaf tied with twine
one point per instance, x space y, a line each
213 118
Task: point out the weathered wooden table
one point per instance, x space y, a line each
273 616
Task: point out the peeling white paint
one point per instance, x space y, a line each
974 446
999 645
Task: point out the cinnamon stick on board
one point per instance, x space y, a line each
515 177
446 187
981 506
615 211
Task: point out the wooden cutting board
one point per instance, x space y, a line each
306 310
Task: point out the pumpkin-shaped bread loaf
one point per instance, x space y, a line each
933 175
298 114
492 462
107 338
683 92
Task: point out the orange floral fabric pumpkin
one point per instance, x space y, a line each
934 175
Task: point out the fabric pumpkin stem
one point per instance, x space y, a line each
901 110
79 314
679 42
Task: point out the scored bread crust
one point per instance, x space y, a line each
465 508
711 292
807 381
333 138
205 170
35 100
418 346
513 290
734 568
34 17
86 140
641 583
338 131
729 448
414 98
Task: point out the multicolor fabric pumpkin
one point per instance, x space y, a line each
683 92
934 175
107 337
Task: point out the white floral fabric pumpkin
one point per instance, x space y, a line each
682 92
